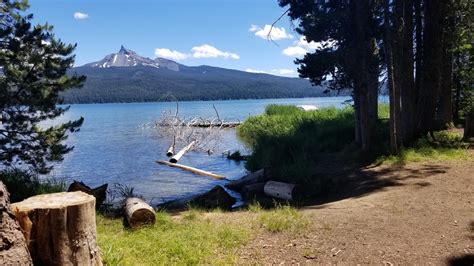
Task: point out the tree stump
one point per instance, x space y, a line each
13 247
138 213
60 228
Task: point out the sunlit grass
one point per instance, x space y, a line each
281 219
190 240
447 146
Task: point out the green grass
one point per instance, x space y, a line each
447 146
282 219
290 140
295 144
189 240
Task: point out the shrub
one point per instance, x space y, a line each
23 184
291 140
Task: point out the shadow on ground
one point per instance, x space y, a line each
354 182
467 259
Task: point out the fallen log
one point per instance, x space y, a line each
251 190
100 192
138 213
180 153
13 247
191 169
60 228
170 151
252 178
281 190
214 198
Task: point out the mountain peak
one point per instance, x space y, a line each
128 58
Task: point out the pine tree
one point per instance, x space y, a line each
34 68
351 30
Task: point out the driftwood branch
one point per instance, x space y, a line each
191 169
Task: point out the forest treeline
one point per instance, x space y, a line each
421 50
146 84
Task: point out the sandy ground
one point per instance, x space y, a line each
421 213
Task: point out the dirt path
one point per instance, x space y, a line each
423 215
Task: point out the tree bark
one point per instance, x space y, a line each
60 228
138 213
469 127
13 247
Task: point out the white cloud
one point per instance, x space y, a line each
170 54
208 51
302 42
295 51
284 71
302 46
279 72
276 33
81 16
250 70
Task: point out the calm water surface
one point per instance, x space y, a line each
114 147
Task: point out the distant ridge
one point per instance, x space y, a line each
126 76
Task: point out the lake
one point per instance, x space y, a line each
113 146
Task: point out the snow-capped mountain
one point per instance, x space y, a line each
128 58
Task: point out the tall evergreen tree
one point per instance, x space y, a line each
350 30
34 68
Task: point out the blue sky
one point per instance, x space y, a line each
224 33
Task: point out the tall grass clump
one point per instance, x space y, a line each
281 219
290 140
22 184
190 240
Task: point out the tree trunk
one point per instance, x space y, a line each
138 213
13 248
430 89
445 104
365 73
180 154
403 62
469 127
395 137
60 228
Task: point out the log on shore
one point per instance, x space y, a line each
60 228
13 245
282 190
191 169
252 190
252 178
138 213
180 153
100 192
213 199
